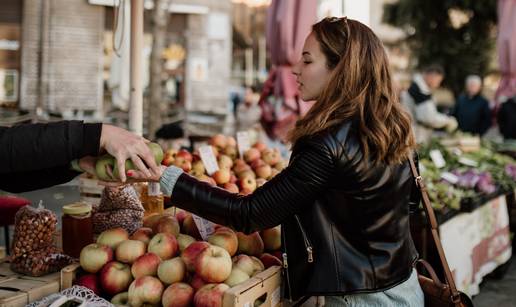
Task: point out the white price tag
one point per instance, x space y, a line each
437 158
451 178
206 228
276 297
208 159
243 142
468 162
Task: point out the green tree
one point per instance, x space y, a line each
458 34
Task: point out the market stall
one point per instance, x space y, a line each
470 185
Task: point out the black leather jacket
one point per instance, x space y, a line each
350 219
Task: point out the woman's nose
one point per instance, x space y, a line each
295 69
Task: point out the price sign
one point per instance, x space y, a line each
206 228
451 178
243 142
437 158
208 159
468 162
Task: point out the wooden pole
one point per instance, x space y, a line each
136 95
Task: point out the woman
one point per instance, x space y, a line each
343 201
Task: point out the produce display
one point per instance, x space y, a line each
237 175
166 261
467 179
161 263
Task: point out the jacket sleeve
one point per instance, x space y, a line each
290 192
36 147
29 181
427 114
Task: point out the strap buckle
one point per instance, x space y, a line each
455 298
418 181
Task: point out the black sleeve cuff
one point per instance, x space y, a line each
91 139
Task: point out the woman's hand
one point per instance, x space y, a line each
136 175
123 145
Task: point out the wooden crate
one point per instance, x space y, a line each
90 189
19 290
265 285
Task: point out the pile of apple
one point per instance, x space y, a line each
258 164
165 262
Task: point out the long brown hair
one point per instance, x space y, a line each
360 89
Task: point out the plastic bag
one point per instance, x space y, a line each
119 207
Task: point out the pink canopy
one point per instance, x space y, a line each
288 24
506 44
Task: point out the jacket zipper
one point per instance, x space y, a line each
285 266
308 246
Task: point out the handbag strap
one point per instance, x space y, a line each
433 227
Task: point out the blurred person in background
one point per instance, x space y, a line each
418 100
507 119
472 109
343 200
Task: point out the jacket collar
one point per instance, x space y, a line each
420 81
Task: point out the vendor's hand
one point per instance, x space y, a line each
123 145
87 164
451 125
138 176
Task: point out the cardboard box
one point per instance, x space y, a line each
265 286
19 290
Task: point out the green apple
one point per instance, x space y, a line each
100 167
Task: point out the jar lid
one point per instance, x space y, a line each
77 209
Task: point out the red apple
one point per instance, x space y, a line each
145 290
120 299
261 146
172 270
245 192
164 245
210 295
143 234
184 241
271 156
115 277
244 263
272 238
219 141
198 167
146 265
231 151
257 265
280 165
197 282
225 162
251 244
167 224
89 281
190 254
233 178
257 163
178 295
150 220
185 155
190 228
213 264
251 154
168 160
231 187
231 141
222 176
185 165
274 172
171 152
236 277
246 175
113 237
247 184
225 238
127 251
264 171
94 256
238 169
269 260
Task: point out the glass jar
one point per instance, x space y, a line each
77 228
152 199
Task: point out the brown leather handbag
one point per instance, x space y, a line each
437 293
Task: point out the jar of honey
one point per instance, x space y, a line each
77 228
152 198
